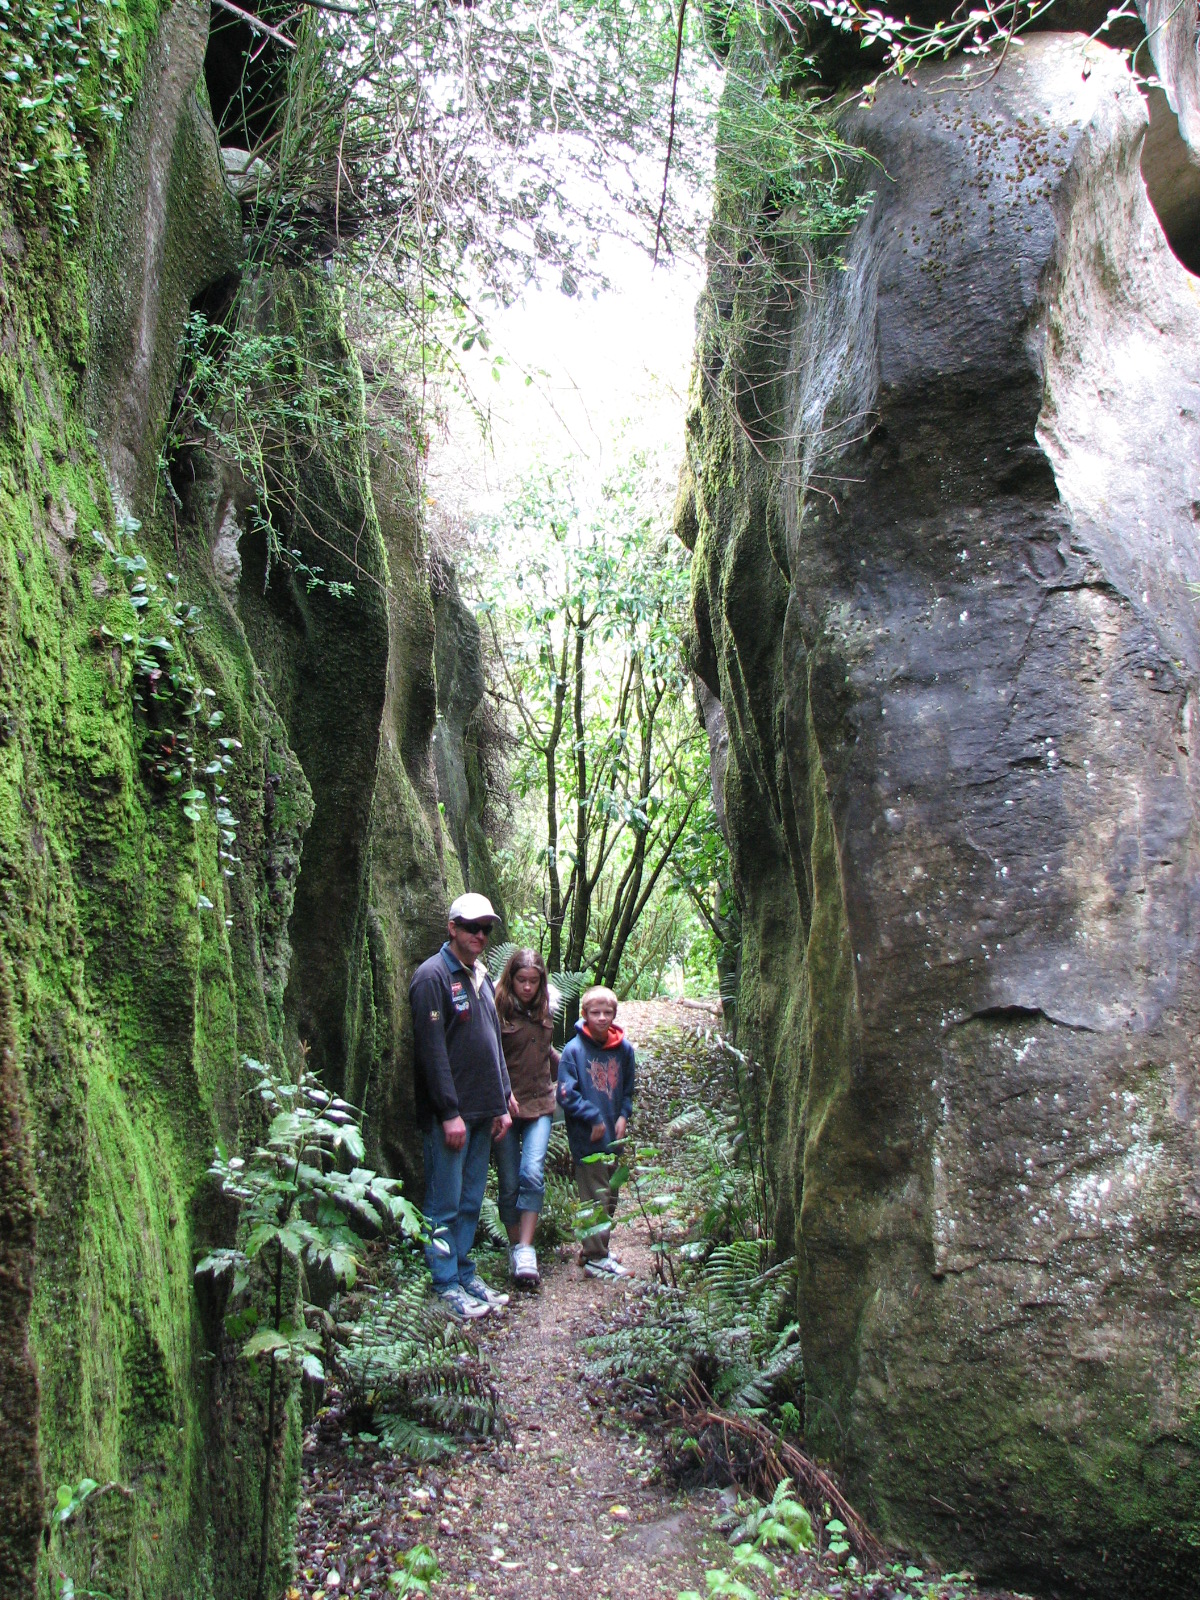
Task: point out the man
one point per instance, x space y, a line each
464 1099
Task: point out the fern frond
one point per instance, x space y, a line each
408 1438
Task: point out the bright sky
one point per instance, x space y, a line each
599 365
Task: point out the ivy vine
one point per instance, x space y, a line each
62 90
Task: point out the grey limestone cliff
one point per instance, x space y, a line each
946 606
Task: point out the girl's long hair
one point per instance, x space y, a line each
506 1000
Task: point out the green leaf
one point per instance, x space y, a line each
351 1141
747 1556
218 1262
265 1340
265 1233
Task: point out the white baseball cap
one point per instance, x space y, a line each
472 908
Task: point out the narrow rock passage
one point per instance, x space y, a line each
565 1506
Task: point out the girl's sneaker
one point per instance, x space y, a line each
524 1266
606 1267
478 1290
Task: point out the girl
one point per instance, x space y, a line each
523 1001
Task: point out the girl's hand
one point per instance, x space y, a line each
621 1126
598 1133
514 1109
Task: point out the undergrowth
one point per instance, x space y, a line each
409 1379
710 1354
726 1327
720 1321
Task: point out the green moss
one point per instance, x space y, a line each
126 1001
128 1010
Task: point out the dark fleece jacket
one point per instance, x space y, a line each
460 1070
595 1084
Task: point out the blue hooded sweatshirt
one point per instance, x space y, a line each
595 1084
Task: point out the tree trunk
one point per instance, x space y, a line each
583 895
555 918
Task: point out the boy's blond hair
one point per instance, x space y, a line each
597 992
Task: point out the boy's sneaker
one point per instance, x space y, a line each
478 1290
461 1305
606 1267
524 1265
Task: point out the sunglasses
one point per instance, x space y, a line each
484 928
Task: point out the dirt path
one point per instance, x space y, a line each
564 1507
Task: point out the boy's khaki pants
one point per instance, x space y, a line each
594 1179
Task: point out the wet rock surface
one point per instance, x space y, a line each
946 609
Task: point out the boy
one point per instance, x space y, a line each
595 1090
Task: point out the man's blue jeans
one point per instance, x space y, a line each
521 1167
454 1185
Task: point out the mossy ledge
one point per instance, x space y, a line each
136 966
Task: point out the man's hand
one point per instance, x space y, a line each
500 1126
455 1133
514 1109
598 1132
621 1126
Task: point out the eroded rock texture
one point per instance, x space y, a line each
462 734
944 538
143 953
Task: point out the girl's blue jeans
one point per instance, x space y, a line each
454 1185
521 1167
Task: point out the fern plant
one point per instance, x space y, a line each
563 986
414 1380
298 1208
721 1322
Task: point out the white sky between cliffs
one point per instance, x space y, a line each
608 370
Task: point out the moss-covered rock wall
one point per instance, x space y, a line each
462 736
217 838
942 508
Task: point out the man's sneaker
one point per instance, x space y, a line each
462 1305
478 1290
524 1265
606 1267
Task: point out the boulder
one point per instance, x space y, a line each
943 593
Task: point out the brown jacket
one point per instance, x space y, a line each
532 1062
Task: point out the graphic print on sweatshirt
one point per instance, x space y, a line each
605 1073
